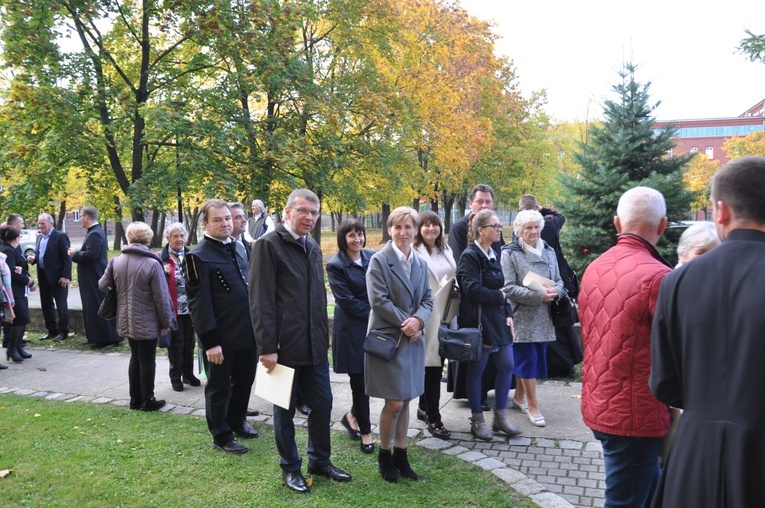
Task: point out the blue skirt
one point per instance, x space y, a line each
530 360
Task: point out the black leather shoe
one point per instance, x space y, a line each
329 471
246 431
46 336
191 380
153 404
232 447
252 412
367 448
303 408
295 481
3 366
354 433
177 385
422 415
60 337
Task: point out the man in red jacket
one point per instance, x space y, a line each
616 306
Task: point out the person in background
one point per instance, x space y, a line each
346 272
431 246
480 278
617 301
21 284
181 350
706 354
239 220
695 241
260 223
6 309
54 272
17 221
399 293
565 351
144 310
91 262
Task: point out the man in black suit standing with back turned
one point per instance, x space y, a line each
54 271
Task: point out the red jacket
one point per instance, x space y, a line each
616 306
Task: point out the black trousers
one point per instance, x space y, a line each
227 392
430 400
360 408
142 370
50 293
181 350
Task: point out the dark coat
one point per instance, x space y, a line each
91 262
19 281
458 238
348 283
480 281
57 261
288 299
707 349
217 293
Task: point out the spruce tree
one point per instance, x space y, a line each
621 153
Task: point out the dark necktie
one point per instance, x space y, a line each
301 241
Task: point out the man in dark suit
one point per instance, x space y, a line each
54 271
239 223
91 262
216 285
288 308
481 198
707 349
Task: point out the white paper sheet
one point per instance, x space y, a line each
443 298
275 387
537 282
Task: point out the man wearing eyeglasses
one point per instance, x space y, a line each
288 307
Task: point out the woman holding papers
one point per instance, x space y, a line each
484 305
346 272
399 293
430 245
532 281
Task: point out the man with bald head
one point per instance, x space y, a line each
54 271
616 306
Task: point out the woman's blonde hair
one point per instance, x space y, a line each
403 212
139 232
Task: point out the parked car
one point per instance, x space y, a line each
28 241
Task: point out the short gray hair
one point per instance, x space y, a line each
302 193
259 203
48 217
172 227
525 217
641 205
139 232
701 235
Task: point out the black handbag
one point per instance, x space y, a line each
164 340
561 311
108 308
462 344
381 345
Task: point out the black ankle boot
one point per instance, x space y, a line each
12 352
22 353
386 467
401 461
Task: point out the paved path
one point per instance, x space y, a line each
560 465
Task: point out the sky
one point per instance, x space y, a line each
686 49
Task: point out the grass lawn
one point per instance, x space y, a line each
83 455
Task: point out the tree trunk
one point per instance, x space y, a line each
192 221
434 205
61 215
154 225
416 204
384 221
448 204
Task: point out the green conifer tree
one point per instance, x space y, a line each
621 153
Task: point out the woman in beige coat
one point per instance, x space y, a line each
144 310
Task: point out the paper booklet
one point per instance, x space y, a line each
275 387
537 282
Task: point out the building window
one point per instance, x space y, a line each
76 216
694 149
710 152
669 153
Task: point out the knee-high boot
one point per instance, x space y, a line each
12 353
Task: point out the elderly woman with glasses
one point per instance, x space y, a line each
531 307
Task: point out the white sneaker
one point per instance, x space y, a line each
537 420
519 405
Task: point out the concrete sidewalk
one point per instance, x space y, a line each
559 465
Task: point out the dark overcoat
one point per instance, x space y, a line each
91 262
707 348
348 283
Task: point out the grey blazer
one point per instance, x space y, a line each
392 295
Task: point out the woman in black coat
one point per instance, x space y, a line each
480 279
21 283
346 272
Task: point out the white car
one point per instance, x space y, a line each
28 241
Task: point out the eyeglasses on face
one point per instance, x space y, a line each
497 227
312 213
